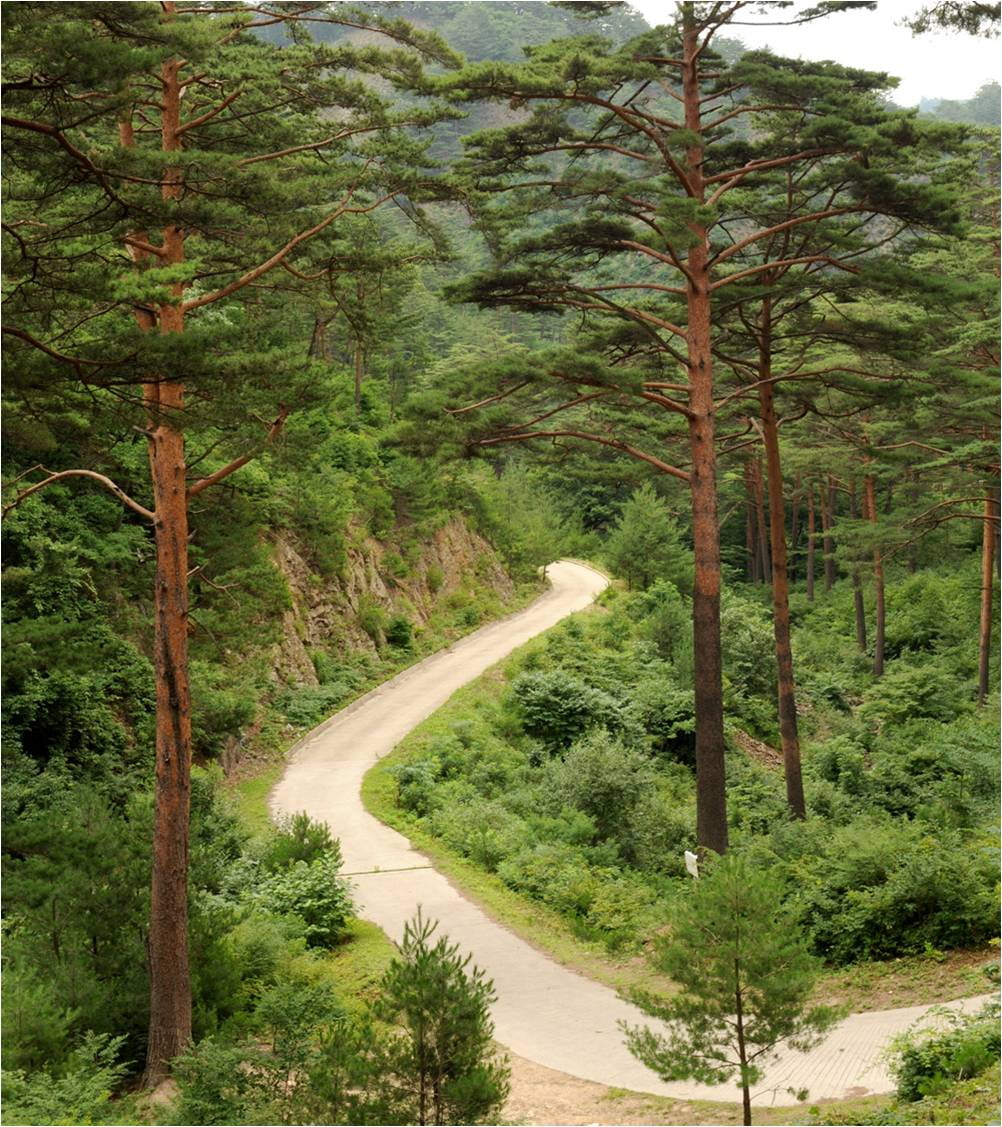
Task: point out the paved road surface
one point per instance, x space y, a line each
544 1011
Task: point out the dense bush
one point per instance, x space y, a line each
315 892
924 1062
556 707
881 888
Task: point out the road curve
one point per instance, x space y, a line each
544 1011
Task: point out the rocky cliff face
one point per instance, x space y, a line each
375 585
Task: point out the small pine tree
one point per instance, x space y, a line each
646 545
444 1064
745 975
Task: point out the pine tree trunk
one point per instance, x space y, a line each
997 526
170 988
810 542
878 582
760 527
751 544
827 514
780 582
791 565
739 1029
987 582
711 802
857 583
359 372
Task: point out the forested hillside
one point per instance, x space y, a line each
326 328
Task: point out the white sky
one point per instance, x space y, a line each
933 65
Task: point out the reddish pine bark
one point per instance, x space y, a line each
711 807
170 986
789 736
760 523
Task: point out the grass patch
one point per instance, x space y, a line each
249 796
938 976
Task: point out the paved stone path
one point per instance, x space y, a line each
544 1011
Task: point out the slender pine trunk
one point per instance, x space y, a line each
811 547
751 544
987 582
791 565
859 609
739 1029
789 736
826 528
170 988
711 802
359 358
878 582
760 521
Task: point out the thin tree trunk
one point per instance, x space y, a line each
711 802
789 736
827 519
857 583
751 543
987 581
359 372
170 989
878 582
791 565
997 526
742 1049
763 536
810 542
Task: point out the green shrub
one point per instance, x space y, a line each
923 1063
305 707
81 1092
667 715
556 707
400 632
316 893
415 785
881 888
299 838
908 691
372 619
601 777
435 578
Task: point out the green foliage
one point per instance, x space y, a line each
303 708
313 891
556 707
646 545
745 975
80 1092
444 1065
880 888
299 838
924 1062
400 632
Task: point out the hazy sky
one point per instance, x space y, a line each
933 65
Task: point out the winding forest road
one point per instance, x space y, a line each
544 1011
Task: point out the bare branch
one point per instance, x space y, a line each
108 484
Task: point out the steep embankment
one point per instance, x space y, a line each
449 582
388 603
